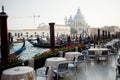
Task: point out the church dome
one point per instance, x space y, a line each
78 16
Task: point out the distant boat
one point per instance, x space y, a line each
44 45
18 40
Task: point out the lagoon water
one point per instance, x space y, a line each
30 51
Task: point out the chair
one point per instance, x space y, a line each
61 69
85 53
43 72
72 64
91 55
80 59
109 47
113 51
104 55
117 72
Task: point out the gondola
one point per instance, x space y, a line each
19 51
44 45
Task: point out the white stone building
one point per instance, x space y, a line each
43 31
59 29
78 23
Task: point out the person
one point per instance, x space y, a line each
38 40
118 65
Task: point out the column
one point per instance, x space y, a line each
52 38
4 36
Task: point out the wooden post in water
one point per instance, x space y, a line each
109 34
94 40
98 34
105 34
52 38
4 36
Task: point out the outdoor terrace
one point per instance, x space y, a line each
92 70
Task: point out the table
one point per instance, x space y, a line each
19 73
70 55
98 50
54 61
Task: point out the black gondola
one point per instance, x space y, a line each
44 45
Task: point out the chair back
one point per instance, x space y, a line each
109 47
85 52
80 59
104 52
91 53
46 71
63 66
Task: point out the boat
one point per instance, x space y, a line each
44 45
18 40
19 51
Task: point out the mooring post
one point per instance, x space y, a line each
52 38
4 36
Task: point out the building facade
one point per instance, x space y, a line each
79 24
112 29
42 30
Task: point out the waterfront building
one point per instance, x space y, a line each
112 29
42 30
79 24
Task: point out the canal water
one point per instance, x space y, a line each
30 51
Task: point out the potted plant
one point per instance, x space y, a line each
81 47
39 59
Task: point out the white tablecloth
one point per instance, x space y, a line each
70 55
54 61
98 50
19 73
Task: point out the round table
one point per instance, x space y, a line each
19 73
70 55
98 50
54 61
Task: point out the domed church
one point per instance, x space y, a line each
79 24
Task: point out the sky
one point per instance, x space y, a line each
97 13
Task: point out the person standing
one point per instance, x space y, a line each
38 39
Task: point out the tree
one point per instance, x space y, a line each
73 31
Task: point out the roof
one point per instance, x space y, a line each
78 15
